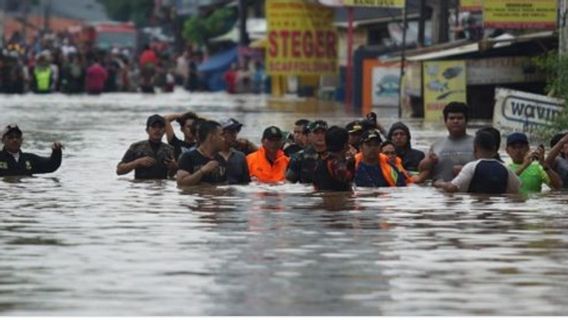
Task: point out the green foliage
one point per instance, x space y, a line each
200 29
555 67
137 11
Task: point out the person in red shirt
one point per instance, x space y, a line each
231 79
95 78
148 56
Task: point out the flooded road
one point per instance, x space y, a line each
83 241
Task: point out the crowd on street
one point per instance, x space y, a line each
60 62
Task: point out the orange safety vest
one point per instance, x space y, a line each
263 171
386 168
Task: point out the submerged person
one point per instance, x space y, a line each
557 158
530 166
14 162
449 154
399 134
303 164
204 164
151 158
375 165
300 138
497 135
235 163
335 171
231 129
185 121
269 163
485 175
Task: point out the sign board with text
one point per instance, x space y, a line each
520 14
301 38
523 111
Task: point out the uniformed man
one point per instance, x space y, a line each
151 158
14 162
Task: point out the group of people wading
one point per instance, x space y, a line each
331 158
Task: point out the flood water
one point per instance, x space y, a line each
83 241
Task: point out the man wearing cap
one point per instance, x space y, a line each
204 164
150 159
185 121
399 134
449 154
231 129
303 164
374 169
299 139
269 163
355 130
530 166
14 162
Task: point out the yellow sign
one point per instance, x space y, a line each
520 14
471 5
301 38
375 3
444 82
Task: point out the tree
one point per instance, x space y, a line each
200 29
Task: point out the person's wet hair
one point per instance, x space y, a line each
186 116
456 107
387 143
304 124
557 138
496 134
206 128
486 141
336 138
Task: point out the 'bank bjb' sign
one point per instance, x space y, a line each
522 111
301 38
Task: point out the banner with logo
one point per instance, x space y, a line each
443 82
301 38
519 14
523 111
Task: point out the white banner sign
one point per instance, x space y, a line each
522 111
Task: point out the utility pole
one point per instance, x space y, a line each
422 23
3 7
562 29
243 36
46 14
440 21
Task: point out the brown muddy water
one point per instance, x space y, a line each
83 241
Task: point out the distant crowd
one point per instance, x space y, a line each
56 62
331 158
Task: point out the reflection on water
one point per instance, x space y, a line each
82 241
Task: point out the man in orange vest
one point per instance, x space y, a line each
374 169
269 163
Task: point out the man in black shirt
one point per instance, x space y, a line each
231 129
204 164
13 162
399 134
300 138
185 121
150 159
303 164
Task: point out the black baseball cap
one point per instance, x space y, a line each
156 118
372 134
272 132
354 127
231 124
317 125
12 127
517 137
